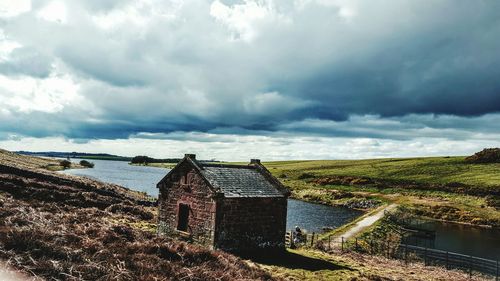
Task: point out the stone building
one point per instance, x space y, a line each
236 208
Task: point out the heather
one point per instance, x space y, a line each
66 228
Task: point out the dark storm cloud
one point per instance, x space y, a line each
397 69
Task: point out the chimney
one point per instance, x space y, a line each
190 156
255 161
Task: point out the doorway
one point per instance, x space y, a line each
183 217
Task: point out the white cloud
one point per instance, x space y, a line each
6 46
55 11
399 70
137 14
28 94
243 19
222 147
12 8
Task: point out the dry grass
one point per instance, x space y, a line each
63 228
354 266
30 162
59 227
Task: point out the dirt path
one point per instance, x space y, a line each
366 222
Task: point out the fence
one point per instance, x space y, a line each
292 240
429 256
393 249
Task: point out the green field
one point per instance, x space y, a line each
444 188
433 170
157 165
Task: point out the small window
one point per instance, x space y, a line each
183 217
184 179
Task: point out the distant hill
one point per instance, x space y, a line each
99 156
31 161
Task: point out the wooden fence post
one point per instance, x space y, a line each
342 243
447 262
406 254
356 244
329 241
496 279
312 240
470 266
387 246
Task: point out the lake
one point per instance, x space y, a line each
468 240
464 239
140 178
309 216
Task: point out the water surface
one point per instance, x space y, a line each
140 178
312 217
463 239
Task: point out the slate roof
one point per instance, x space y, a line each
239 181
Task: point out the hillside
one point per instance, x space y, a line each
58 154
61 227
431 171
31 162
447 188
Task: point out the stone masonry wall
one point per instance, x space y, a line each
195 193
251 224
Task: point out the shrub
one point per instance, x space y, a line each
65 164
87 164
141 160
493 201
487 155
304 176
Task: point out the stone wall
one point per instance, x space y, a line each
194 192
251 224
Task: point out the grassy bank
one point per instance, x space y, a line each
446 188
32 162
306 264
157 165
432 171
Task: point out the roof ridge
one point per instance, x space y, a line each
228 166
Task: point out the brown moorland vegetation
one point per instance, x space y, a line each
487 155
59 227
34 163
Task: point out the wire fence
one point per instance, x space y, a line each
293 240
405 252
428 256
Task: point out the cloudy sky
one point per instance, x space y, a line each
228 79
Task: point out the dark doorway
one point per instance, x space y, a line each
183 217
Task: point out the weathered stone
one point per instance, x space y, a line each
232 210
